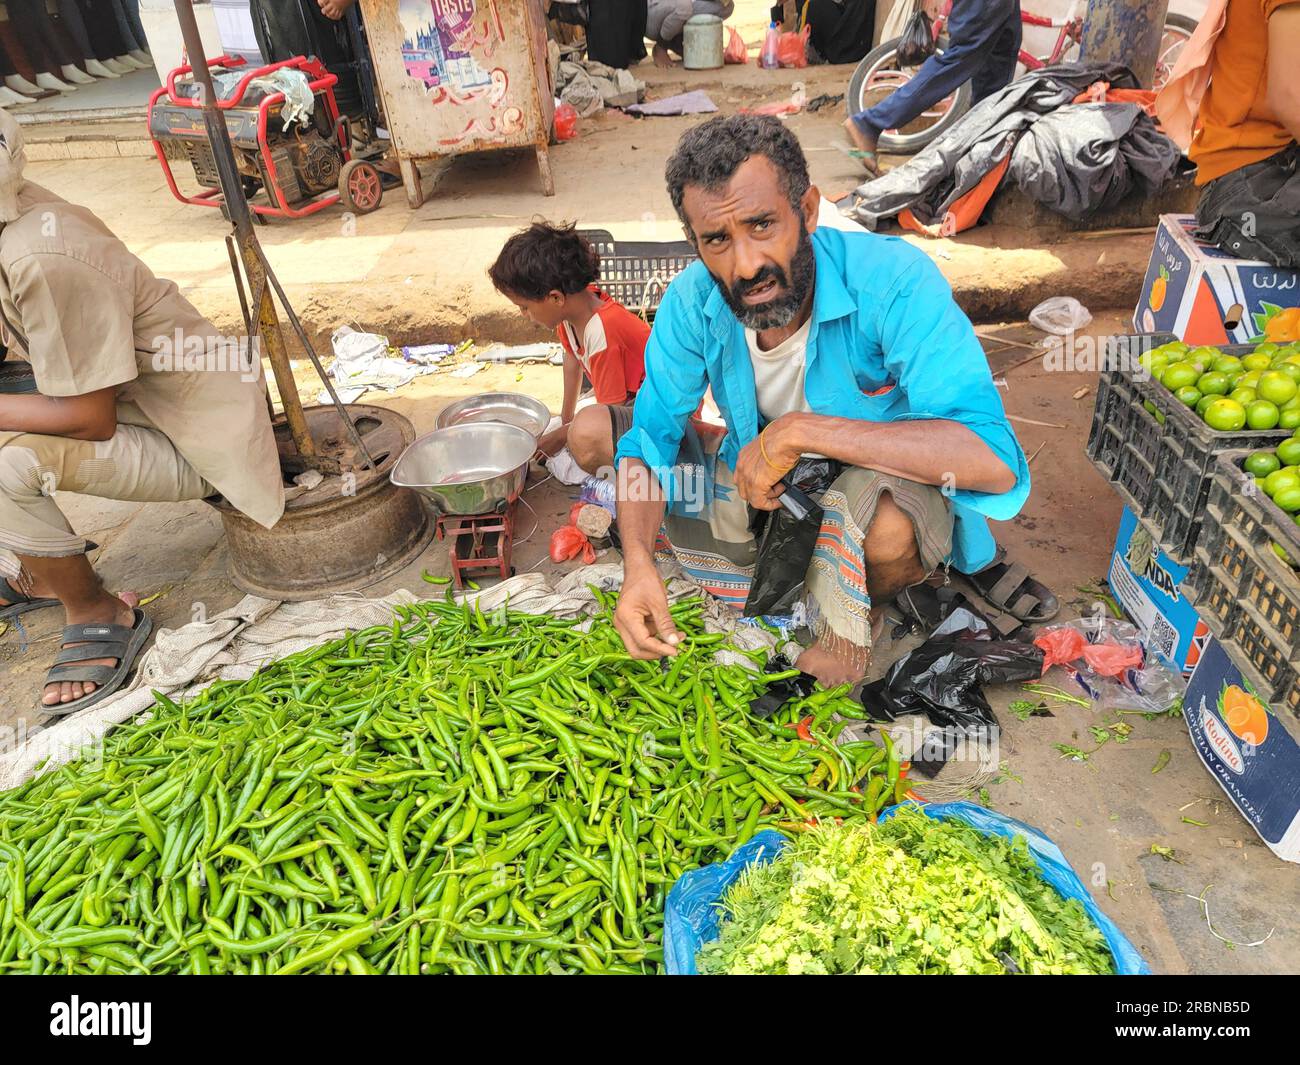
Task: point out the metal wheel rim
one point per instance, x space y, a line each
894 74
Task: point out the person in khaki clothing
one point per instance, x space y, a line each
138 398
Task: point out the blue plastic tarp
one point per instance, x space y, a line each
691 911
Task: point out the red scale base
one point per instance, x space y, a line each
479 543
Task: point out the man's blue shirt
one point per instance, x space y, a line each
887 342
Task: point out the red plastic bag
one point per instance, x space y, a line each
792 48
781 107
1060 645
736 51
566 122
1113 659
568 542
1109 658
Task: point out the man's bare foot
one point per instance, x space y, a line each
111 610
831 668
661 56
864 147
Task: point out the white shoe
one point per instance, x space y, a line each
141 56
22 86
49 81
118 67
73 76
94 66
9 98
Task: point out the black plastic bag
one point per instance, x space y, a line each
944 677
780 692
917 43
786 541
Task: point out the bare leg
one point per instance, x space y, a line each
661 56
85 601
591 439
860 137
892 563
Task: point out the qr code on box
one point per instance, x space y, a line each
1163 637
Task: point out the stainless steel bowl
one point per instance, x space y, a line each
472 468
510 408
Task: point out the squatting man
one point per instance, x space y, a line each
814 341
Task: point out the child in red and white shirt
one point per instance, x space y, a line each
549 272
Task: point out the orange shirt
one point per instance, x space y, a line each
1236 126
611 350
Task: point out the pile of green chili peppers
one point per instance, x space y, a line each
452 793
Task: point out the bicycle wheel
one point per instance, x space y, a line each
878 75
1178 31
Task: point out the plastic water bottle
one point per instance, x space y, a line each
770 57
599 491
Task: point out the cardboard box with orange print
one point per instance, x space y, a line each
1247 748
1204 296
1147 583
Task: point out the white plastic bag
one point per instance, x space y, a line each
565 469
1060 315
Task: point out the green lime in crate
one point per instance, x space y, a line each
1244 580
1165 410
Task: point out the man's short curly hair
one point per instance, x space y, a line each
710 153
545 258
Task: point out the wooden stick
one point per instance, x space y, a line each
1006 340
1031 421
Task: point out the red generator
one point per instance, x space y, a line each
300 170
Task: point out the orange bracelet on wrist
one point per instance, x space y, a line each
762 450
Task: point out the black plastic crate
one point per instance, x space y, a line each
1249 598
1160 470
636 273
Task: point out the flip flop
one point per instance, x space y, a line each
121 642
1009 586
19 603
868 159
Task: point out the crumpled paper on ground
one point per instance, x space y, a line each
238 642
364 360
589 87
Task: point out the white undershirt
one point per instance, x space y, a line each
778 374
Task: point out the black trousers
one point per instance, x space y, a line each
842 29
101 28
45 46
616 32
287 28
1254 212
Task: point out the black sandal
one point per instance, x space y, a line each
121 642
19 603
1009 586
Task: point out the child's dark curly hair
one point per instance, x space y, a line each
545 258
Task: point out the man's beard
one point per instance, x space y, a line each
781 311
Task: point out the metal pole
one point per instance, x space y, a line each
241 216
1125 31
